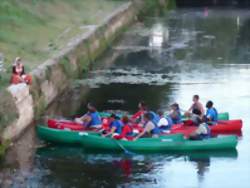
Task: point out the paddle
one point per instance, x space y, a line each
123 148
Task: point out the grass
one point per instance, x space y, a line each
37 29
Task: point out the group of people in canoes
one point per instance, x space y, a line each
147 123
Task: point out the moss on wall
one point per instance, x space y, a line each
8 110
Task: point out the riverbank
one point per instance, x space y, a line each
24 103
37 30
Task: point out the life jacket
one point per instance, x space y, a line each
214 117
118 125
155 130
154 117
127 130
178 119
95 119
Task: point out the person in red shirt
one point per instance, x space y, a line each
18 73
138 116
127 130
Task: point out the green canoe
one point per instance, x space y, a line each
74 137
221 116
98 143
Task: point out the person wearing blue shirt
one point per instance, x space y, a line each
211 114
91 119
154 117
175 114
115 125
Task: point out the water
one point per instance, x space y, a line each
162 60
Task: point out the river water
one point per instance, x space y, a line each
162 60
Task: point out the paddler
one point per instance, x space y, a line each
115 126
142 109
165 123
91 119
175 113
211 114
150 128
197 105
202 132
127 130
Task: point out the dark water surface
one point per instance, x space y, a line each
162 60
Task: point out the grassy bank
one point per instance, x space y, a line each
37 29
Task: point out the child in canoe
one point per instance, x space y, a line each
115 126
202 132
175 113
138 116
150 128
165 123
211 114
127 130
143 109
91 119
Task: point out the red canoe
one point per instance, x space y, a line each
226 127
229 126
70 125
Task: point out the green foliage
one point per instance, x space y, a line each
8 111
3 148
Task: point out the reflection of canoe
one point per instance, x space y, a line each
93 142
75 137
221 116
222 127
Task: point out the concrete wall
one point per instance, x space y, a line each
52 77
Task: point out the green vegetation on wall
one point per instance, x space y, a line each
8 110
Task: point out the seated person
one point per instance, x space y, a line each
211 114
197 105
18 73
91 119
202 132
150 129
138 116
175 113
127 130
194 118
165 123
115 126
154 117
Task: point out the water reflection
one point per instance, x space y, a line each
99 168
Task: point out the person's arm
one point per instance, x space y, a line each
111 132
202 109
140 134
148 128
191 108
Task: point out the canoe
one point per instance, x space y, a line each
60 136
223 127
71 125
230 126
98 143
221 116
